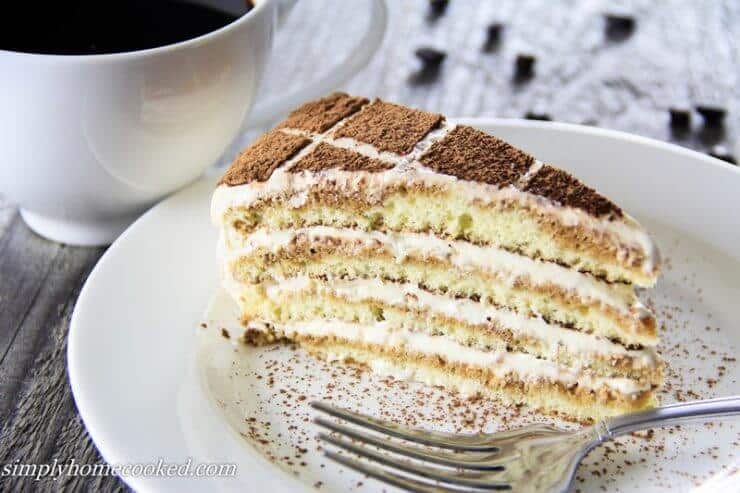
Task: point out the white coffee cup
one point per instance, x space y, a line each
89 142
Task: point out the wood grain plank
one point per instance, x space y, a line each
25 263
33 376
57 291
7 212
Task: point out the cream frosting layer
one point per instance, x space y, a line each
507 266
522 366
405 295
294 187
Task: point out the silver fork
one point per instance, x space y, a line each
535 458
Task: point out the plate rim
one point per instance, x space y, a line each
80 395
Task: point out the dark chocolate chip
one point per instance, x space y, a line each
524 67
437 8
430 57
493 37
529 115
680 118
431 62
710 135
713 115
720 152
619 27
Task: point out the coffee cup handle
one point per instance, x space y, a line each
266 113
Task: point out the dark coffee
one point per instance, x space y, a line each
92 27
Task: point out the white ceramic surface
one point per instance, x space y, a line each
89 142
147 387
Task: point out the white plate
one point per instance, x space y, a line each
133 344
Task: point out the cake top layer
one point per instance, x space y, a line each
319 116
351 134
472 155
389 127
325 156
557 185
258 161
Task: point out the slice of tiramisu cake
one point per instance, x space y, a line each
373 232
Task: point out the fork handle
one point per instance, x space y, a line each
671 415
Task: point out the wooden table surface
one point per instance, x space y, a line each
680 54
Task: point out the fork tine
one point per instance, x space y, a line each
479 482
483 462
476 443
394 479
